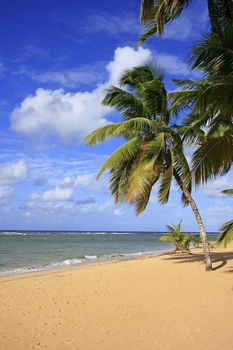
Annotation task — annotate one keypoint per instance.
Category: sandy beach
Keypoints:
(159, 302)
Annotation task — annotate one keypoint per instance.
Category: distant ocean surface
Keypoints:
(28, 251)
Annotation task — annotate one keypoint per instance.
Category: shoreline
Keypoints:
(153, 302)
(88, 262)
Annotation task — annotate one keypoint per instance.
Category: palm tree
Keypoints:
(213, 94)
(210, 101)
(154, 14)
(180, 240)
(226, 230)
(153, 152)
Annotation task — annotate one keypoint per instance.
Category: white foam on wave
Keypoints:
(91, 257)
(13, 233)
(21, 270)
(108, 233)
(67, 262)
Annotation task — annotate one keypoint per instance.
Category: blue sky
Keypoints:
(56, 60)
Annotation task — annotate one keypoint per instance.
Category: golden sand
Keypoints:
(153, 303)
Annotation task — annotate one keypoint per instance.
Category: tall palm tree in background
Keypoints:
(209, 124)
(153, 152)
(155, 14)
(213, 94)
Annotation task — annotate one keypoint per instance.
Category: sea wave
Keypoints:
(66, 262)
(13, 233)
(108, 233)
(21, 270)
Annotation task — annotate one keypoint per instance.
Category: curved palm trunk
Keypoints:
(208, 263)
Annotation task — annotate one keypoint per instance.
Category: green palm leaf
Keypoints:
(101, 134)
(122, 154)
(124, 102)
(225, 234)
(230, 191)
(166, 177)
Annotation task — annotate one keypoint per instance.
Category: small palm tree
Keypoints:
(153, 152)
(180, 240)
(226, 230)
(155, 14)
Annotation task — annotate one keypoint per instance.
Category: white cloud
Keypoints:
(72, 115)
(119, 212)
(87, 181)
(11, 173)
(55, 112)
(214, 188)
(126, 58)
(172, 64)
(55, 195)
(5, 194)
(219, 209)
(114, 25)
(66, 78)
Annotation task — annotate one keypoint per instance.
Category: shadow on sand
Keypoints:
(219, 259)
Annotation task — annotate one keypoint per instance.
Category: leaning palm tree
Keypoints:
(153, 152)
(155, 14)
(226, 230)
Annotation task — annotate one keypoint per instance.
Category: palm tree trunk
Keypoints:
(205, 245)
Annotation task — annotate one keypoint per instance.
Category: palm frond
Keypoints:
(136, 76)
(166, 177)
(101, 134)
(142, 180)
(122, 154)
(225, 234)
(124, 102)
(134, 126)
(229, 191)
(213, 157)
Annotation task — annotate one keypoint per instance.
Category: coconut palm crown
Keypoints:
(153, 151)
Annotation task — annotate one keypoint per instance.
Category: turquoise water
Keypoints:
(24, 251)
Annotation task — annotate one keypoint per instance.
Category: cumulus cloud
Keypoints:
(126, 58)
(11, 173)
(73, 115)
(55, 195)
(64, 114)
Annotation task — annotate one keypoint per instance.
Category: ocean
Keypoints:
(28, 251)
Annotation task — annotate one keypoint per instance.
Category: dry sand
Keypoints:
(166, 302)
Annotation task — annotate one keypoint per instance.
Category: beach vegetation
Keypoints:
(180, 240)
